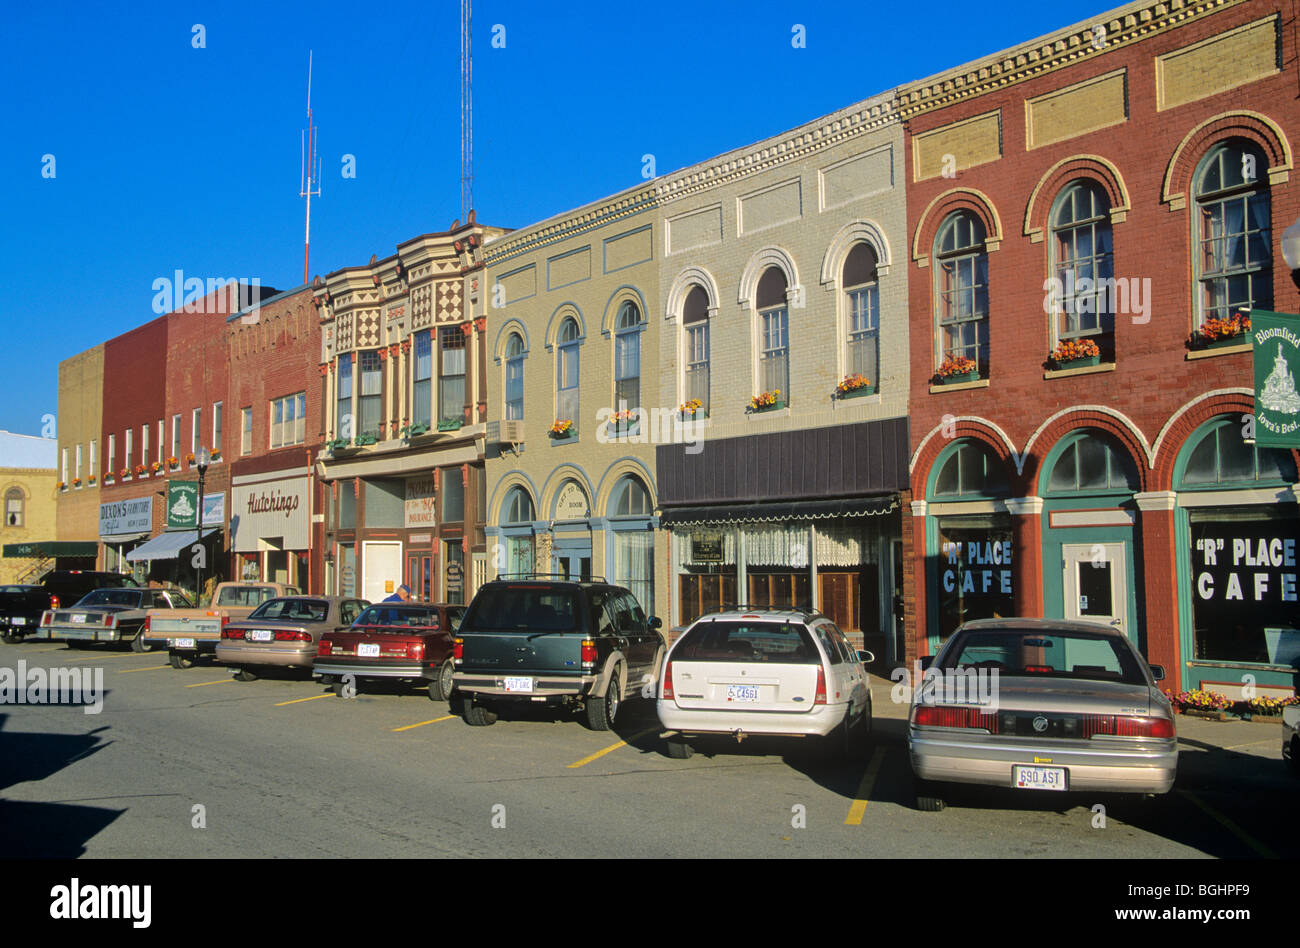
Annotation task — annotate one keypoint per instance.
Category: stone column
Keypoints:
(1027, 554)
(1157, 607)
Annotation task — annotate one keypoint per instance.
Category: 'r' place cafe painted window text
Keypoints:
(1253, 568)
(975, 567)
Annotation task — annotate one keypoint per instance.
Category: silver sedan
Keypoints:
(1040, 704)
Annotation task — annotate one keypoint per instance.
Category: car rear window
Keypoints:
(301, 610)
(381, 615)
(512, 608)
(245, 595)
(112, 597)
(727, 641)
(1050, 653)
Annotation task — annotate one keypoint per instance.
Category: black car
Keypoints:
(20, 612)
(542, 641)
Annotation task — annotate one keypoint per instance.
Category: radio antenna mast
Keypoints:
(310, 175)
(466, 108)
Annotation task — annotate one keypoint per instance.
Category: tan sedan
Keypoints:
(1040, 704)
(284, 632)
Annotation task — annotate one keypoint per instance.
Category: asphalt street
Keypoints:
(192, 763)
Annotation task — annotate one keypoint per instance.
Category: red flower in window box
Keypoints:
(957, 365)
(1071, 350)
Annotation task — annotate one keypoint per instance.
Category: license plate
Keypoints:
(18, 620)
(1038, 778)
(260, 635)
(78, 618)
(185, 643)
(742, 692)
(519, 684)
(368, 650)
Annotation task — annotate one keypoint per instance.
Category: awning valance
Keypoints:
(766, 513)
(50, 548)
(165, 546)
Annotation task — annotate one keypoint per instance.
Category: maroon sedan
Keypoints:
(404, 640)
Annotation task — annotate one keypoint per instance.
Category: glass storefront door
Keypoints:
(1095, 583)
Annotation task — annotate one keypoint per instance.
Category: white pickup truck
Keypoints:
(188, 633)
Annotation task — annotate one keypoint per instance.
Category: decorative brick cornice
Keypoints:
(564, 226)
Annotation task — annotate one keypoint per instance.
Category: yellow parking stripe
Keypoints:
(223, 681)
(100, 658)
(1230, 826)
(446, 717)
(149, 669)
(612, 747)
(312, 698)
(859, 807)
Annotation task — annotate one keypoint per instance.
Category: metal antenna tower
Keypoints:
(466, 108)
(310, 174)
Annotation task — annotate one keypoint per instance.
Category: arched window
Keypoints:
(1091, 464)
(862, 292)
(1218, 457)
(514, 376)
(970, 469)
(695, 325)
(1082, 265)
(14, 507)
(774, 334)
(516, 526)
(633, 542)
(1234, 258)
(630, 498)
(962, 294)
(566, 375)
(627, 358)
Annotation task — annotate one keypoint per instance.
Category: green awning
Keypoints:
(50, 548)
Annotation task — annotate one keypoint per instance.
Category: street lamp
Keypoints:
(201, 460)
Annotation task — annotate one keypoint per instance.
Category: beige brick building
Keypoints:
(81, 396)
(27, 490)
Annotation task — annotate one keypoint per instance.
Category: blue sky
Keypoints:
(169, 157)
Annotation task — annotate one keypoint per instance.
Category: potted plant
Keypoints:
(125, 473)
(61, 486)
(139, 470)
(76, 482)
(562, 429)
(414, 431)
(216, 456)
(450, 424)
(958, 369)
(1204, 704)
(156, 466)
(1216, 333)
(854, 385)
(622, 422)
(766, 401)
(692, 409)
(337, 443)
(366, 439)
(108, 477)
(1075, 353)
(189, 459)
(90, 481)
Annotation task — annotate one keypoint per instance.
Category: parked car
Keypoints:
(283, 632)
(554, 642)
(1075, 707)
(772, 673)
(1291, 736)
(401, 640)
(20, 612)
(188, 634)
(107, 615)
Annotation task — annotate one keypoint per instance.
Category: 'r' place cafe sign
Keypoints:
(986, 567)
(1246, 568)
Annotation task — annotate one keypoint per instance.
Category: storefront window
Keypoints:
(452, 489)
(975, 570)
(706, 569)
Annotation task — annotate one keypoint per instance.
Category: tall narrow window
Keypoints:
(246, 431)
(451, 375)
(112, 454)
(345, 424)
(1083, 265)
(130, 442)
(196, 430)
(961, 269)
(144, 445)
(514, 376)
(63, 474)
(14, 512)
(77, 469)
(774, 334)
(94, 457)
(627, 358)
(566, 381)
(176, 437)
(862, 292)
(1234, 263)
(216, 426)
(370, 396)
(695, 323)
(422, 373)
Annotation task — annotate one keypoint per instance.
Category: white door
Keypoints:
(381, 569)
(1096, 583)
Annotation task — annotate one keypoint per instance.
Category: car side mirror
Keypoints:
(926, 661)
(1158, 672)
(865, 657)
(656, 622)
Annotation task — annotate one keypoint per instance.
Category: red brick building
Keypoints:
(274, 433)
(1086, 212)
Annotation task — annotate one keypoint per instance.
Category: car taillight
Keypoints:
(286, 636)
(458, 651)
(54, 602)
(415, 651)
(232, 633)
(325, 647)
(224, 620)
(820, 697)
(934, 716)
(668, 680)
(108, 620)
(588, 653)
(47, 618)
(146, 625)
(1105, 724)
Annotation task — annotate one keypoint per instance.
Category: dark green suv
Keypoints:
(556, 642)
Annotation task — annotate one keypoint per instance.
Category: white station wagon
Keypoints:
(747, 672)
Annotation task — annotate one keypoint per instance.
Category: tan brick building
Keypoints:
(27, 491)
(81, 407)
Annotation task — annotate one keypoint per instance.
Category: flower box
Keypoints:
(337, 443)
(859, 391)
(452, 424)
(972, 376)
(363, 440)
(563, 435)
(778, 404)
(1225, 342)
(1078, 363)
(698, 414)
(414, 431)
(1208, 714)
(562, 429)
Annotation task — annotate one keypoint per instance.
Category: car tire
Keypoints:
(441, 687)
(177, 660)
(137, 643)
(841, 742)
(602, 711)
(12, 638)
(328, 680)
(928, 799)
(680, 750)
(476, 715)
(244, 674)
